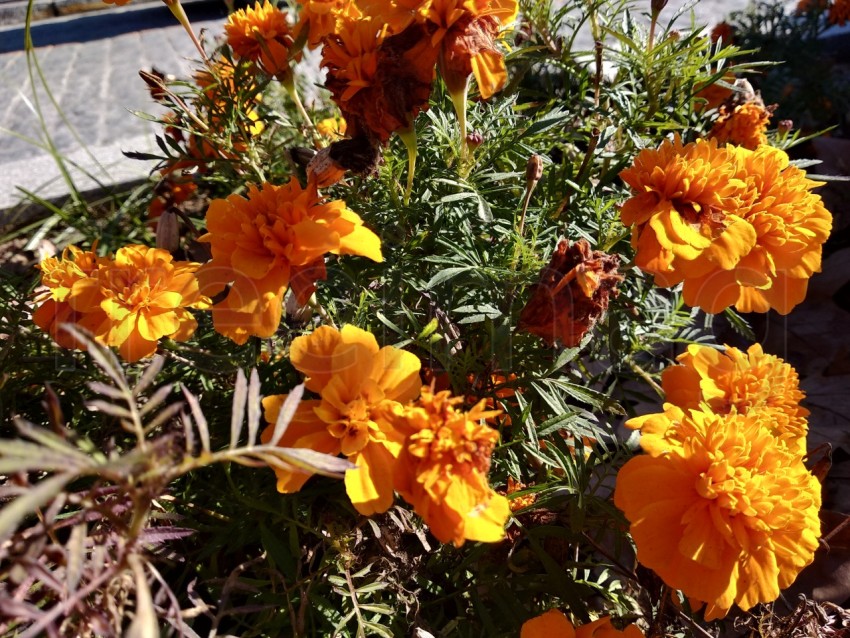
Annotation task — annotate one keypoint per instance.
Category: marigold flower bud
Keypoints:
(658, 5)
(785, 126)
(534, 169)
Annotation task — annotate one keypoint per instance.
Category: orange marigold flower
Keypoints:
(839, 12)
(261, 34)
(572, 294)
(736, 381)
(332, 127)
(170, 192)
(275, 239)
(744, 125)
(554, 624)
(442, 469)
(684, 211)
(54, 304)
(518, 502)
(321, 18)
(129, 302)
(722, 31)
(790, 224)
(359, 385)
(725, 513)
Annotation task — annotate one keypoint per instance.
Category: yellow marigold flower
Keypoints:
(129, 302)
(554, 624)
(261, 34)
(359, 385)
(744, 125)
(684, 211)
(443, 465)
(332, 127)
(726, 514)
(736, 381)
(275, 239)
(839, 12)
(790, 224)
(321, 18)
(54, 304)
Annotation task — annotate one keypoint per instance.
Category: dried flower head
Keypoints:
(723, 31)
(360, 386)
(379, 81)
(443, 465)
(275, 239)
(839, 12)
(571, 295)
(725, 513)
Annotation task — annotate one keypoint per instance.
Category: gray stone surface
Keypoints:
(90, 63)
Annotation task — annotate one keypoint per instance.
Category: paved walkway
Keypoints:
(91, 63)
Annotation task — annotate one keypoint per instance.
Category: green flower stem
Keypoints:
(409, 139)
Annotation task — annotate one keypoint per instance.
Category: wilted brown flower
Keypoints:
(571, 295)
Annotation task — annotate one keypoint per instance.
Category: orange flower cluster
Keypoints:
(443, 466)
(317, 19)
(275, 239)
(739, 505)
(735, 381)
(744, 125)
(735, 226)
(723, 510)
(261, 34)
(435, 456)
(359, 385)
(129, 302)
(554, 624)
(572, 294)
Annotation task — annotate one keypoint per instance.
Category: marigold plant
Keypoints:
(724, 513)
(261, 34)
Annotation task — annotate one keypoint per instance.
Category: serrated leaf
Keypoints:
(153, 369)
(377, 608)
(109, 408)
(199, 419)
(380, 630)
(107, 390)
(368, 588)
(166, 414)
(155, 400)
(446, 274)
